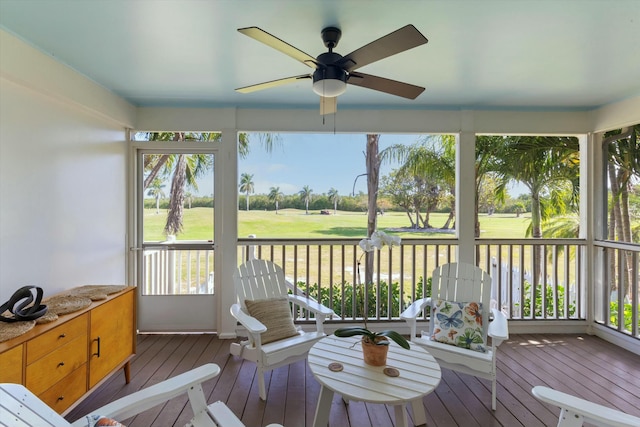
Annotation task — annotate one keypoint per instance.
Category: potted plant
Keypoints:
(375, 345)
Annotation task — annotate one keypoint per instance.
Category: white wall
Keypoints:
(62, 195)
(62, 175)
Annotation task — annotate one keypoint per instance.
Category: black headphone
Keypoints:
(17, 307)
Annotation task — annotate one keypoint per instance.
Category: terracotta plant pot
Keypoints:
(374, 355)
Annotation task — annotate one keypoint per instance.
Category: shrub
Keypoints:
(333, 298)
(549, 309)
(627, 313)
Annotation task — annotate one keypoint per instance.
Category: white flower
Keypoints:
(394, 241)
(377, 240)
(366, 245)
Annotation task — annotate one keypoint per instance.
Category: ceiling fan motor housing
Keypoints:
(328, 70)
(331, 37)
(329, 80)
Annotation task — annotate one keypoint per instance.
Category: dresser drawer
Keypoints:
(56, 337)
(11, 363)
(51, 368)
(67, 391)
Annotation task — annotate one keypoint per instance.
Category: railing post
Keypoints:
(251, 249)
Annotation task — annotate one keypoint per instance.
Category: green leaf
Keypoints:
(352, 331)
(399, 339)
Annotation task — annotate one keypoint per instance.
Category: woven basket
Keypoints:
(96, 292)
(12, 330)
(64, 304)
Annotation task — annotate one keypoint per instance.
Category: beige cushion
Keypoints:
(275, 314)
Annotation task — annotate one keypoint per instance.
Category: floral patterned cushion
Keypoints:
(458, 323)
(102, 421)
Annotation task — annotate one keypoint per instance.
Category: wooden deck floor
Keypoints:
(580, 364)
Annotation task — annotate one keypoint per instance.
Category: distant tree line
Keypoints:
(318, 202)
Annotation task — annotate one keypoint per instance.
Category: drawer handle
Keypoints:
(62, 336)
(60, 364)
(60, 398)
(98, 352)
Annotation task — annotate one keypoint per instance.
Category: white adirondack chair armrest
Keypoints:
(416, 307)
(590, 411)
(253, 325)
(498, 327)
(154, 395)
(311, 305)
(411, 313)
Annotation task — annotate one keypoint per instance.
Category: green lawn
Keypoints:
(294, 223)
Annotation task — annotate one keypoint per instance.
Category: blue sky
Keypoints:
(321, 161)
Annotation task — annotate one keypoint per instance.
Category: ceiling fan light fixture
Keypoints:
(329, 81)
(329, 88)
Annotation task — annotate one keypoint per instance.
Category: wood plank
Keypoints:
(582, 365)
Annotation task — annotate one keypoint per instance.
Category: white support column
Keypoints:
(226, 231)
(593, 217)
(465, 188)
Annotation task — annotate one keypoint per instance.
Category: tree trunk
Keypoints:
(625, 222)
(408, 212)
(156, 169)
(536, 233)
(373, 172)
(449, 221)
(614, 221)
(176, 200)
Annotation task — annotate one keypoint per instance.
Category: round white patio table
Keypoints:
(419, 375)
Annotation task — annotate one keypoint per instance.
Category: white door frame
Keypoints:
(166, 313)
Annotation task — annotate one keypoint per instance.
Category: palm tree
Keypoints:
(334, 197)
(623, 150)
(184, 168)
(431, 165)
(196, 165)
(188, 167)
(545, 165)
(155, 190)
(305, 195)
(275, 195)
(246, 185)
(267, 140)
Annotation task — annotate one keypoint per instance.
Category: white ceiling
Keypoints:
(482, 54)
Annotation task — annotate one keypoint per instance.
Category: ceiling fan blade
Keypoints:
(328, 105)
(381, 84)
(274, 42)
(272, 83)
(400, 40)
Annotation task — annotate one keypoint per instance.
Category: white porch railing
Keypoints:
(170, 271)
(325, 270)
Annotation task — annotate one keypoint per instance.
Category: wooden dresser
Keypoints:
(62, 361)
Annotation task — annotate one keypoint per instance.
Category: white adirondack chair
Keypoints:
(574, 411)
(462, 282)
(259, 279)
(21, 408)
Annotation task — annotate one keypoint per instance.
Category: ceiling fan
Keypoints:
(333, 71)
